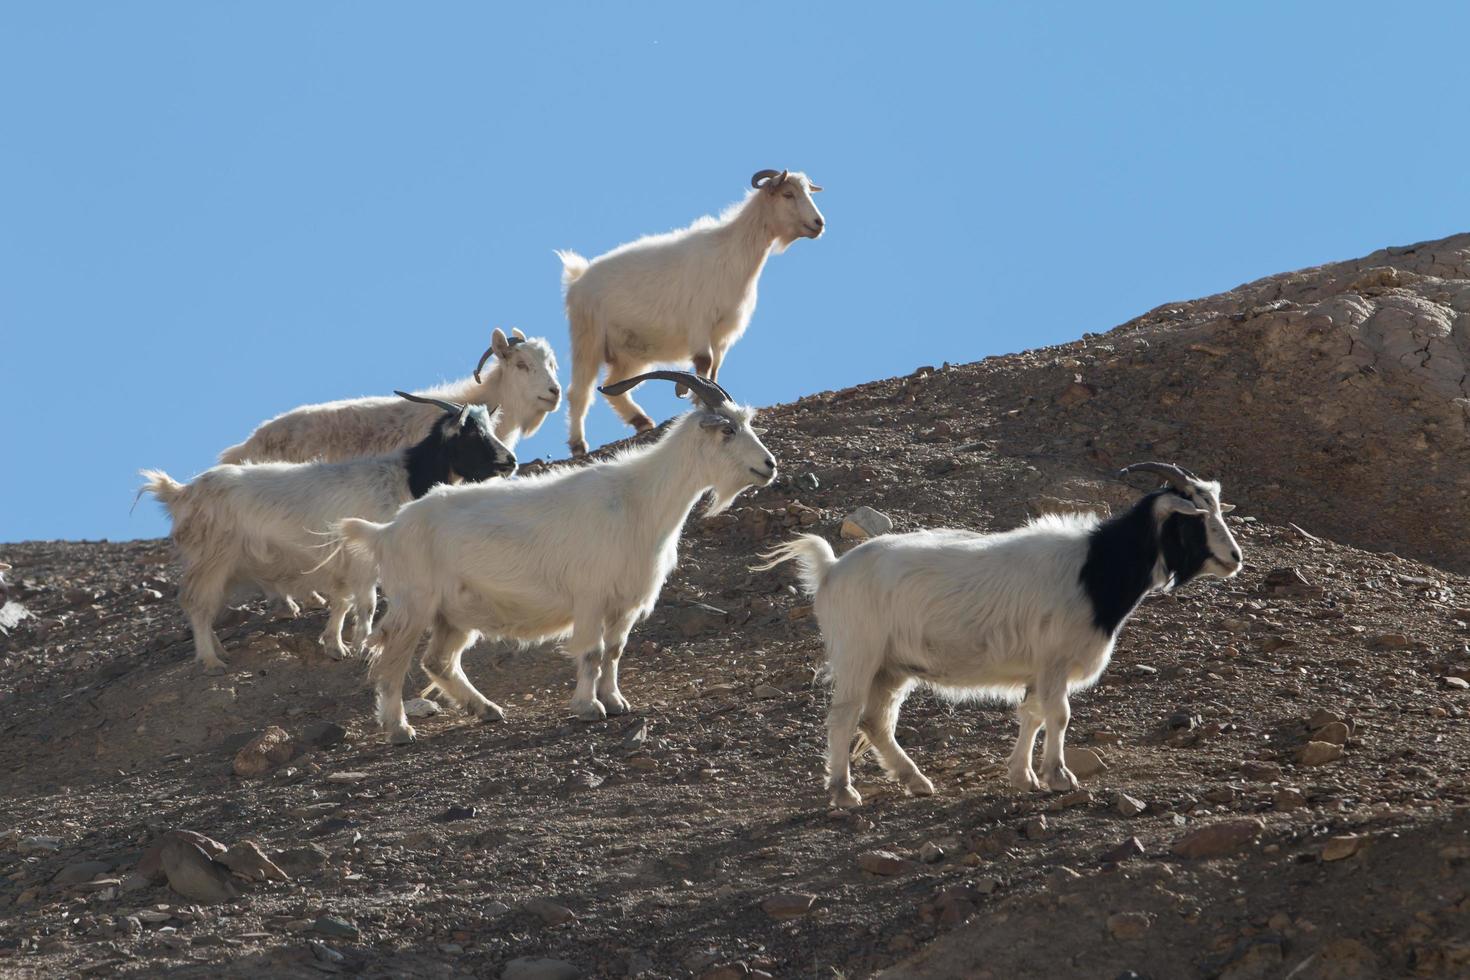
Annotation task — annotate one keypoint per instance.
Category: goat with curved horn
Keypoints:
(707, 391)
(426, 400)
(760, 177)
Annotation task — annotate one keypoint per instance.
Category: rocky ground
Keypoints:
(1277, 782)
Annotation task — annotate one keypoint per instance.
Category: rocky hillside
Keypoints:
(1275, 766)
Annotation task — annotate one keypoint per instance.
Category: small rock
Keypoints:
(421, 708)
(1036, 828)
(457, 812)
(884, 863)
(539, 968)
(38, 845)
(246, 859)
(296, 861)
(1265, 772)
(346, 777)
(931, 853)
(1334, 732)
(325, 953)
(1454, 684)
(1318, 754)
(1218, 840)
(1084, 763)
(324, 734)
(1289, 798)
(1338, 848)
(1128, 925)
(265, 752)
(82, 871)
(1128, 849)
(193, 875)
(788, 905)
(636, 735)
(548, 911)
(865, 522)
(1389, 641)
(765, 692)
(334, 925)
(698, 618)
(150, 865)
(1128, 806)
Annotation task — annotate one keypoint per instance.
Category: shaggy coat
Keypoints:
(1024, 616)
(263, 524)
(522, 382)
(681, 297)
(575, 553)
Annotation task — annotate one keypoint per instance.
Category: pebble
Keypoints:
(788, 905)
(346, 777)
(334, 925)
(82, 871)
(884, 863)
(324, 734)
(1334, 732)
(931, 853)
(264, 752)
(301, 860)
(457, 812)
(1264, 772)
(38, 845)
(421, 708)
(1130, 848)
(865, 522)
(1128, 925)
(1338, 848)
(1288, 798)
(1036, 828)
(549, 912)
(245, 858)
(194, 875)
(1218, 840)
(539, 968)
(765, 692)
(636, 735)
(325, 953)
(1128, 806)
(1318, 753)
(1389, 641)
(1454, 683)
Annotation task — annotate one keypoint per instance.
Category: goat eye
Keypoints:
(789, 196)
(523, 367)
(729, 430)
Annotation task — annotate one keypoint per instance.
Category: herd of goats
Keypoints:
(414, 493)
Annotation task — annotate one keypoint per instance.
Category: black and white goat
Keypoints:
(1025, 616)
(262, 524)
(578, 553)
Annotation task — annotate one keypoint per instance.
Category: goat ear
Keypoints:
(516, 332)
(1226, 508)
(499, 344)
(712, 421)
(759, 431)
(464, 415)
(1175, 504)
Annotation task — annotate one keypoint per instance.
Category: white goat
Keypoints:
(1025, 616)
(577, 552)
(262, 524)
(684, 296)
(522, 382)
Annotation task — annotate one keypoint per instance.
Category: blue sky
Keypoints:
(210, 213)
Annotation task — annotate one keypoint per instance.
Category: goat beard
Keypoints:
(721, 497)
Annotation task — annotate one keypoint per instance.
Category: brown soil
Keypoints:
(665, 850)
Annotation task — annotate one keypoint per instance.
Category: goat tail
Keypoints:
(161, 485)
(361, 538)
(813, 555)
(572, 266)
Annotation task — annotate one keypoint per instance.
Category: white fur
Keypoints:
(576, 552)
(522, 381)
(1001, 616)
(264, 524)
(679, 297)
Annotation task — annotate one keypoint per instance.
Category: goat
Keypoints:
(261, 524)
(683, 296)
(578, 553)
(1025, 616)
(522, 382)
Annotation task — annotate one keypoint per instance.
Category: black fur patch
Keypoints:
(1121, 554)
(469, 452)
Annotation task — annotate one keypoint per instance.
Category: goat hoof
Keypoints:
(589, 710)
(1025, 781)
(578, 447)
(615, 704)
(489, 711)
(1061, 781)
(845, 797)
(641, 423)
(919, 785)
(403, 736)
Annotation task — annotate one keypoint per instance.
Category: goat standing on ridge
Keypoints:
(522, 382)
(681, 297)
(577, 552)
(261, 524)
(1026, 616)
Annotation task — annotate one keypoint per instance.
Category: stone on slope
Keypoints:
(193, 875)
(865, 522)
(264, 752)
(1218, 840)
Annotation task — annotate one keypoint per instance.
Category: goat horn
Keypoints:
(814, 188)
(511, 341)
(1177, 477)
(706, 390)
(447, 406)
(763, 175)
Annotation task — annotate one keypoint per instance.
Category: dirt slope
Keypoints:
(660, 844)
